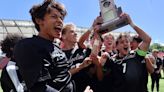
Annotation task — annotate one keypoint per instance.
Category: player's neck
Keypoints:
(68, 46)
(108, 49)
(121, 55)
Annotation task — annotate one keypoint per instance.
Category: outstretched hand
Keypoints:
(127, 16)
(95, 59)
(87, 61)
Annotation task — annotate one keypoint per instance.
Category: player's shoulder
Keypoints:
(24, 42)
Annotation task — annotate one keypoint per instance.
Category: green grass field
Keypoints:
(161, 83)
(161, 89)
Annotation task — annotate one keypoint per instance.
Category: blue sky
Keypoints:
(147, 14)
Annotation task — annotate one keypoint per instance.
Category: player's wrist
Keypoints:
(80, 66)
(132, 25)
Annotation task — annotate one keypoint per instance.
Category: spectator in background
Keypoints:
(156, 75)
(163, 67)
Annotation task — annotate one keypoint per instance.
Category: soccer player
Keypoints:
(79, 56)
(147, 63)
(42, 64)
(10, 77)
(125, 67)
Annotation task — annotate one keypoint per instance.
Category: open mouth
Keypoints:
(126, 49)
(109, 43)
(58, 28)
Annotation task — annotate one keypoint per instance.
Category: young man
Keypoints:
(78, 56)
(156, 75)
(43, 65)
(147, 63)
(73, 51)
(126, 68)
(109, 47)
(9, 73)
(109, 42)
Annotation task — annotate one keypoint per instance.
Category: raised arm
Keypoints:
(98, 66)
(94, 28)
(83, 38)
(144, 36)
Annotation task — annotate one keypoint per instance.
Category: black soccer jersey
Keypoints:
(41, 62)
(76, 56)
(106, 83)
(158, 63)
(144, 76)
(126, 73)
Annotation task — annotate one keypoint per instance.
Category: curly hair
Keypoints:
(8, 44)
(40, 10)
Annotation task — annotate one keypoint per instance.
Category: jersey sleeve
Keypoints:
(141, 52)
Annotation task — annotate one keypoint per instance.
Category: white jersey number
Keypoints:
(124, 67)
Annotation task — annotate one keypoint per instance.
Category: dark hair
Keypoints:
(8, 44)
(137, 39)
(39, 11)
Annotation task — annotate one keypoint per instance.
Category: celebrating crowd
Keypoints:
(39, 64)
